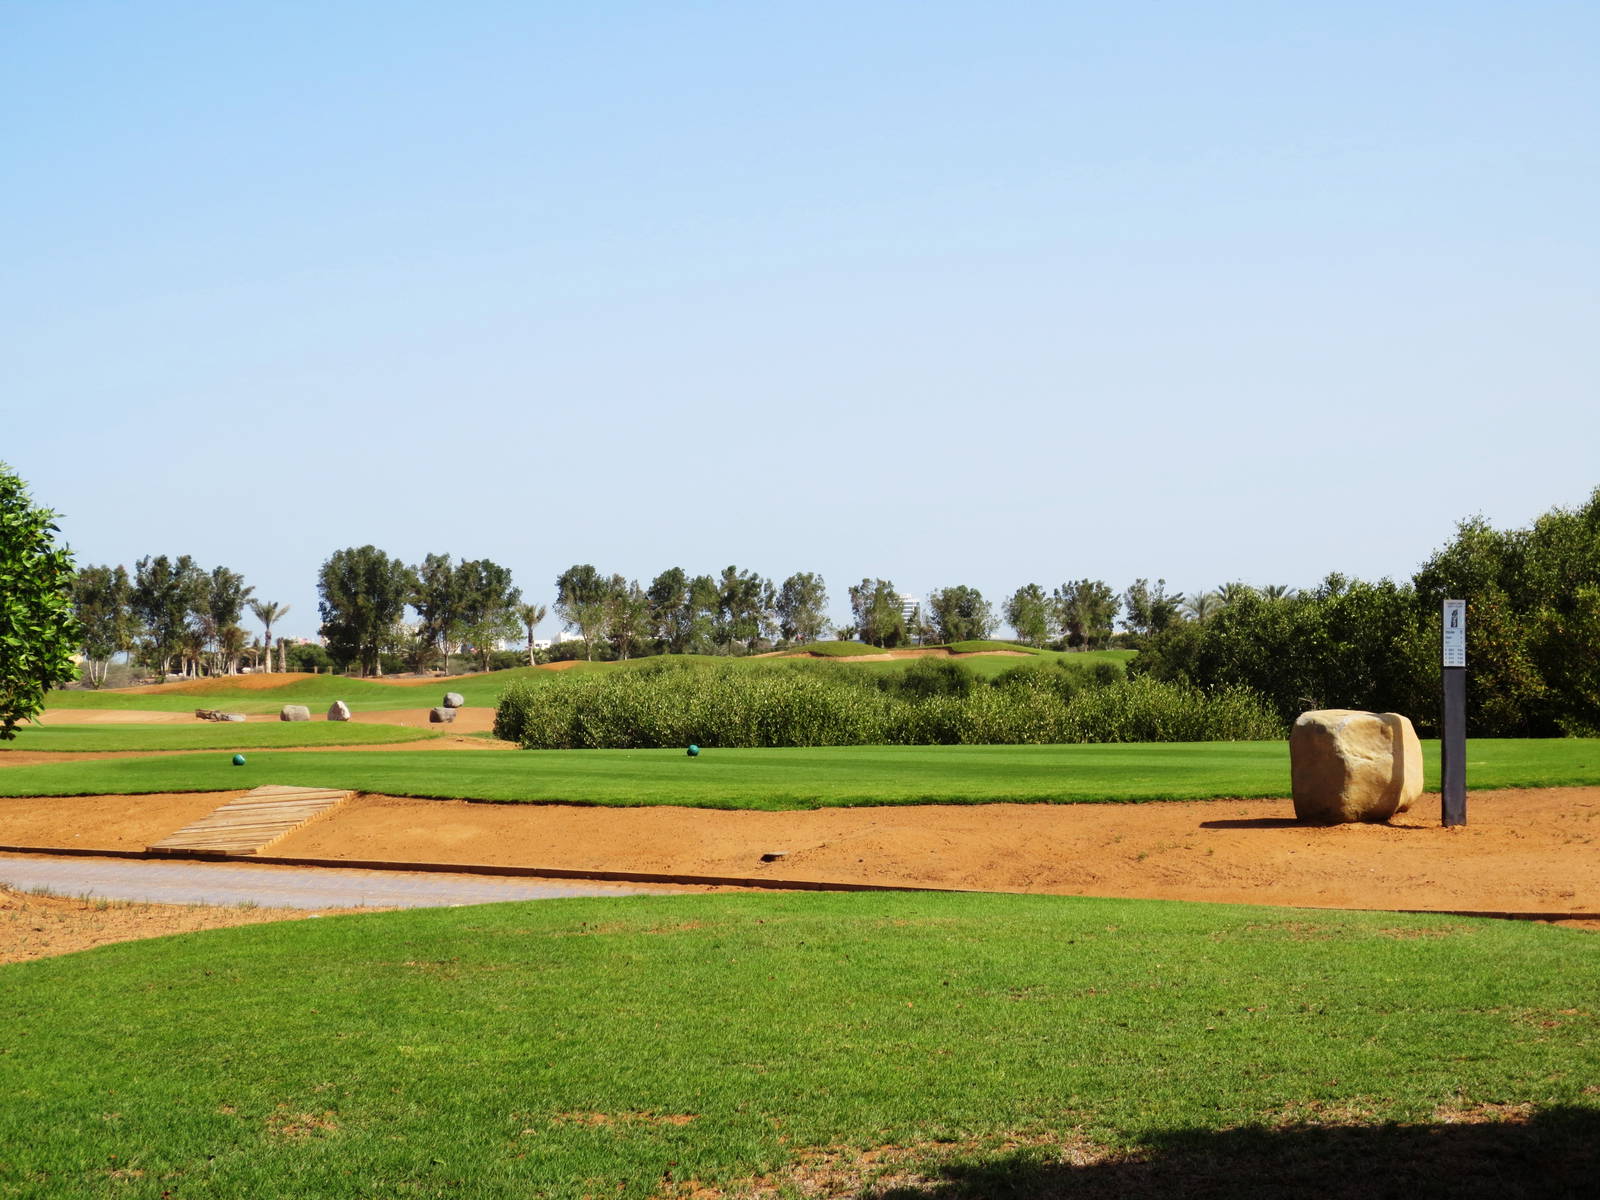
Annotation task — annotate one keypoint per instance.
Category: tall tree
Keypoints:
(801, 607)
(436, 602)
(1028, 612)
(627, 616)
(581, 603)
(671, 615)
(1086, 610)
(744, 608)
(165, 594)
(226, 594)
(960, 614)
(1203, 605)
(704, 608)
(880, 621)
(269, 613)
(101, 599)
(1149, 609)
(364, 593)
(38, 632)
(487, 603)
(530, 615)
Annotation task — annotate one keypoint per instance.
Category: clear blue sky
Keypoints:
(943, 293)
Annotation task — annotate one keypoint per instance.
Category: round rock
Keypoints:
(453, 700)
(441, 715)
(294, 712)
(338, 711)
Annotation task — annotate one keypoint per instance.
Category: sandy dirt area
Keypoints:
(40, 926)
(1523, 851)
(118, 716)
(102, 822)
(1530, 851)
(468, 720)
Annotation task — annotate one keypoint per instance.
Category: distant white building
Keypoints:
(567, 635)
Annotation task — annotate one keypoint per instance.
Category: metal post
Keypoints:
(1453, 743)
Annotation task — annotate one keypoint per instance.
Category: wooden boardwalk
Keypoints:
(251, 823)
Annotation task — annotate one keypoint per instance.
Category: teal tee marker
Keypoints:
(693, 751)
(238, 760)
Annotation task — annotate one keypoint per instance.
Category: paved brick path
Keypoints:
(281, 887)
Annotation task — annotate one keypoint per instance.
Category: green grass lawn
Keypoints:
(317, 693)
(794, 778)
(207, 736)
(636, 1047)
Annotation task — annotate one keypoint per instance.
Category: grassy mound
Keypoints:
(991, 647)
(654, 1046)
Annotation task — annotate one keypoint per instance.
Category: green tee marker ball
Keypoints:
(693, 750)
(238, 760)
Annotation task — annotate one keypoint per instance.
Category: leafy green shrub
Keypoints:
(935, 677)
(676, 703)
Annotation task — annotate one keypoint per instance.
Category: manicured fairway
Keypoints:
(220, 736)
(637, 1047)
(793, 778)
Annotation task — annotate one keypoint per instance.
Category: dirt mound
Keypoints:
(219, 683)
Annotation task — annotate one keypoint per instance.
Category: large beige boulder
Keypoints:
(1353, 766)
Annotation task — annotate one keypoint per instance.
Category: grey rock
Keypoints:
(441, 715)
(294, 712)
(338, 711)
(453, 700)
(230, 716)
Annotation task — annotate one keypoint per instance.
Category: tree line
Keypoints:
(1533, 634)
(173, 615)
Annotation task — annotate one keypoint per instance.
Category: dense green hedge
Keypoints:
(786, 706)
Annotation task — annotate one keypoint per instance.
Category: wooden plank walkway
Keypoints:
(251, 823)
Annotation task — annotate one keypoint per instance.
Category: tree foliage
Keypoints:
(1086, 611)
(801, 606)
(101, 600)
(485, 606)
(38, 632)
(1028, 612)
(581, 603)
(1149, 609)
(363, 593)
(961, 614)
(876, 607)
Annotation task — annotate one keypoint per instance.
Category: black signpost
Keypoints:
(1453, 745)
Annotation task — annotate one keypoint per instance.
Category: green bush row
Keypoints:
(729, 707)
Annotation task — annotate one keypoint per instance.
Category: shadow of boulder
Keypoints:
(1554, 1154)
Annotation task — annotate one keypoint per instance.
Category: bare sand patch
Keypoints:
(468, 720)
(40, 926)
(1524, 851)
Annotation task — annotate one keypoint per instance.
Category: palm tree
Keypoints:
(1202, 605)
(1278, 591)
(530, 615)
(1230, 592)
(268, 612)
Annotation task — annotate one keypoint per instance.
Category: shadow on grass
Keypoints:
(1554, 1154)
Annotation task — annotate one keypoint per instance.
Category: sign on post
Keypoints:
(1453, 743)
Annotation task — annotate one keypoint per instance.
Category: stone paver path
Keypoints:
(282, 887)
